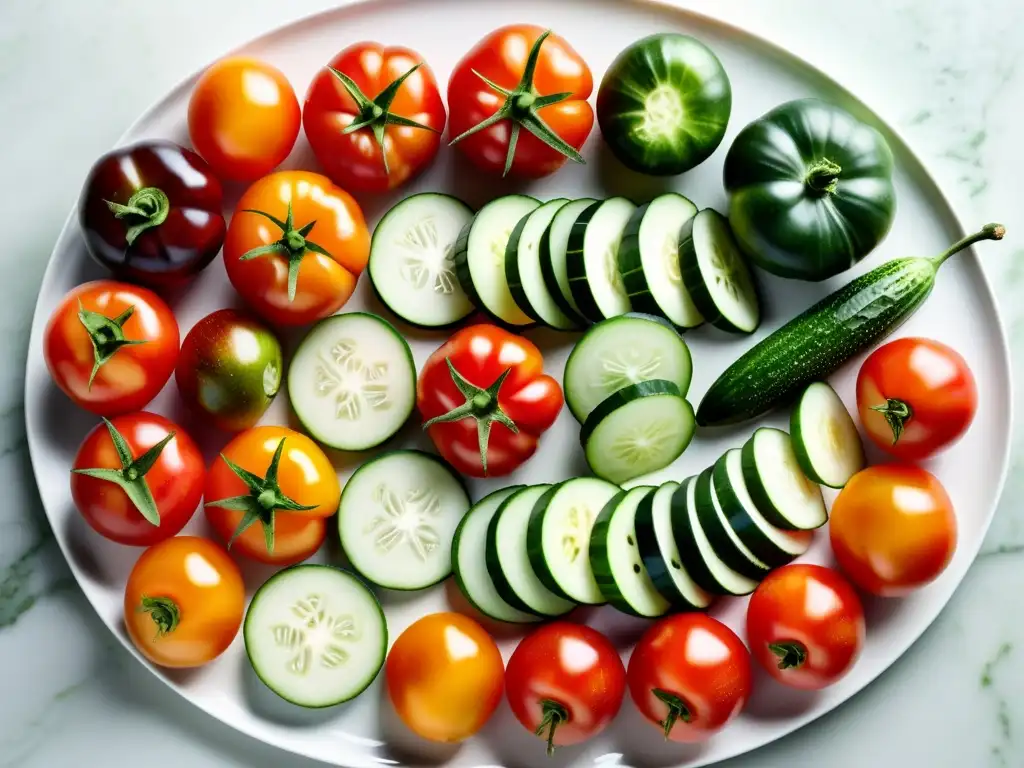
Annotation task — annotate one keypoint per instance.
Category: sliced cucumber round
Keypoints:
(352, 381)
(397, 518)
(825, 437)
(315, 635)
(558, 537)
(553, 268)
(616, 353)
(716, 274)
(723, 539)
(779, 488)
(411, 266)
(668, 568)
(469, 561)
(649, 260)
(592, 259)
(639, 429)
(773, 546)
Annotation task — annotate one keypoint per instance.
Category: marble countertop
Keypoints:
(74, 74)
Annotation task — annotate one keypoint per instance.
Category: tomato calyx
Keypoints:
(521, 106)
(263, 500)
(131, 477)
(553, 715)
(791, 653)
(481, 404)
(823, 176)
(678, 710)
(163, 611)
(897, 413)
(375, 113)
(106, 335)
(146, 208)
(293, 245)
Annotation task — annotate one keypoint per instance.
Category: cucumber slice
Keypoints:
(703, 563)
(616, 353)
(480, 257)
(315, 635)
(716, 274)
(772, 546)
(723, 539)
(649, 260)
(592, 259)
(639, 429)
(523, 271)
(397, 517)
(825, 438)
(558, 537)
(509, 564)
(668, 568)
(553, 268)
(411, 264)
(469, 561)
(779, 488)
(352, 381)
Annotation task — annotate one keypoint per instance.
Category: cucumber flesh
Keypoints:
(825, 438)
(553, 267)
(778, 486)
(592, 259)
(724, 540)
(523, 269)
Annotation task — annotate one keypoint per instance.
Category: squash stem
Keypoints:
(988, 232)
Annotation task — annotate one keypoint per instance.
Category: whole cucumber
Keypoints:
(816, 342)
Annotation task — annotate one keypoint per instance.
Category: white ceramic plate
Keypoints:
(961, 312)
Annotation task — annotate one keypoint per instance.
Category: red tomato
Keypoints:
(111, 346)
(486, 400)
(565, 683)
(391, 93)
(295, 247)
(243, 118)
(690, 675)
(915, 397)
(137, 479)
(281, 480)
(805, 626)
(536, 118)
(893, 529)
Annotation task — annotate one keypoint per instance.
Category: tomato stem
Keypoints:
(897, 413)
(791, 653)
(163, 611)
(554, 714)
(146, 208)
(988, 232)
(678, 709)
(106, 335)
(823, 176)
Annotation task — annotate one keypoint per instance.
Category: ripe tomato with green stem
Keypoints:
(486, 400)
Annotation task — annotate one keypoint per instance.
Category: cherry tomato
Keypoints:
(565, 683)
(805, 626)
(915, 397)
(690, 675)
(243, 118)
(137, 479)
(893, 529)
(524, 128)
(268, 494)
(392, 94)
(184, 602)
(295, 247)
(111, 346)
(503, 374)
(445, 677)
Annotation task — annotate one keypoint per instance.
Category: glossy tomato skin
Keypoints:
(325, 283)
(354, 161)
(501, 57)
(545, 667)
(168, 182)
(445, 677)
(135, 373)
(697, 659)
(813, 611)
(305, 475)
(935, 383)
(893, 529)
(175, 480)
(202, 583)
(243, 118)
(529, 397)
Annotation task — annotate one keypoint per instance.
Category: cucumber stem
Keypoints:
(988, 232)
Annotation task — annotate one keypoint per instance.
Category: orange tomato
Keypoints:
(893, 529)
(445, 677)
(243, 118)
(184, 602)
(308, 260)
